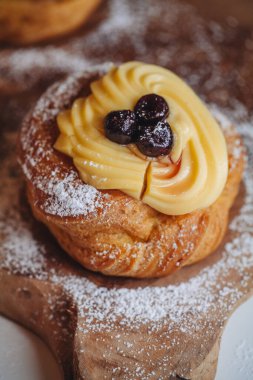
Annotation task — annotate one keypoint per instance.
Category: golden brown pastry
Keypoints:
(28, 21)
(120, 230)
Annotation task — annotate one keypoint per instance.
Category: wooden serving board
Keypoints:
(108, 328)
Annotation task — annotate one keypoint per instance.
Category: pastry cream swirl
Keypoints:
(192, 177)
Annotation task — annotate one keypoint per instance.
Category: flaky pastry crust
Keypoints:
(28, 21)
(116, 235)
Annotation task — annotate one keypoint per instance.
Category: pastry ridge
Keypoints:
(114, 234)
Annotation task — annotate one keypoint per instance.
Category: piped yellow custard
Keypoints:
(190, 177)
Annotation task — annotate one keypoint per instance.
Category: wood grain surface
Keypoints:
(107, 328)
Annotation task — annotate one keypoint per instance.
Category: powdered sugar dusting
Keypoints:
(198, 295)
(31, 258)
(201, 302)
(144, 304)
(170, 311)
(25, 67)
(66, 198)
(65, 194)
(25, 61)
(176, 302)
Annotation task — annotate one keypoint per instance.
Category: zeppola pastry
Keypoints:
(28, 21)
(129, 170)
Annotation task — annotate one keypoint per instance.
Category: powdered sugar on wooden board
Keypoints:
(23, 254)
(162, 307)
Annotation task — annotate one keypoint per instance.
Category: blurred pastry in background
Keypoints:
(30, 21)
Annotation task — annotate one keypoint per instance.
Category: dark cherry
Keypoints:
(120, 127)
(150, 109)
(155, 140)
